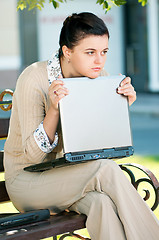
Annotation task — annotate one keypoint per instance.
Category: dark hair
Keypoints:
(79, 26)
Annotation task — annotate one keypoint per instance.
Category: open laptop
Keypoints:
(95, 122)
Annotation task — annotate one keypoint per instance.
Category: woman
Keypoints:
(98, 189)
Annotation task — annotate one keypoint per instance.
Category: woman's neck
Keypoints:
(65, 68)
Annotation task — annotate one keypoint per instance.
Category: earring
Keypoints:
(68, 60)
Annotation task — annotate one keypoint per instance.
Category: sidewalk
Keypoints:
(146, 103)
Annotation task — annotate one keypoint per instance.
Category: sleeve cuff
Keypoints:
(42, 139)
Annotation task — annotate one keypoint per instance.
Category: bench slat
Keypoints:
(65, 222)
(3, 193)
(4, 125)
(1, 161)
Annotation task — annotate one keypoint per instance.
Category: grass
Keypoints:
(151, 162)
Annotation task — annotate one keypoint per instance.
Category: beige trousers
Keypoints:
(98, 189)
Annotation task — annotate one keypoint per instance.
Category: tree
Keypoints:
(39, 4)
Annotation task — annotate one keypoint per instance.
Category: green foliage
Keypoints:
(143, 2)
(39, 4)
(108, 4)
(56, 3)
(119, 2)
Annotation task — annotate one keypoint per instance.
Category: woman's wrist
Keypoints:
(54, 110)
(50, 122)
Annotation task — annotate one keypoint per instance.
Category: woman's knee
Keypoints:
(111, 164)
(94, 201)
(101, 200)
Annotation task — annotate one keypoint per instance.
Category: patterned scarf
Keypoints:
(54, 68)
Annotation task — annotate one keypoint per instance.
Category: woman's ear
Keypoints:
(66, 52)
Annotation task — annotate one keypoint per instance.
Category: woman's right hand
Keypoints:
(57, 91)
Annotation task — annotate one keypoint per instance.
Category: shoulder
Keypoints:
(35, 74)
(32, 84)
(37, 68)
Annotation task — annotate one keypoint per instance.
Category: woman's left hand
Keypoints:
(127, 89)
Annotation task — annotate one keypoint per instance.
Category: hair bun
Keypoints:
(71, 17)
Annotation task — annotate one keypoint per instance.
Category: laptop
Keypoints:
(95, 122)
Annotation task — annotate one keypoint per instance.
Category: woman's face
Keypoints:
(88, 57)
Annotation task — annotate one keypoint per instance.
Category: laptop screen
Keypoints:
(93, 115)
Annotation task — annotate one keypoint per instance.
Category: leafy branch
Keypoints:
(39, 4)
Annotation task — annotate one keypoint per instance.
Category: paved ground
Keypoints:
(144, 114)
(145, 131)
(145, 124)
(146, 104)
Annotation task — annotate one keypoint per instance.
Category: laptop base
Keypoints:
(75, 158)
(100, 154)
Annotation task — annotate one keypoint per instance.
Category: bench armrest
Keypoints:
(3, 103)
(149, 178)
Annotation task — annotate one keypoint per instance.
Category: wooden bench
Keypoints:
(64, 223)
